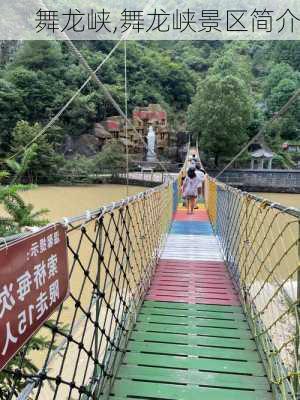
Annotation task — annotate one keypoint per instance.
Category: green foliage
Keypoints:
(276, 74)
(21, 214)
(7, 379)
(287, 52)
(220, 114)
(18, 215)
(78, 169)
(280, 85)
(233, 63)
(45, 75)
(40, 54)
(19, 168)
(12, 110)
(112, 157)
(43, 159)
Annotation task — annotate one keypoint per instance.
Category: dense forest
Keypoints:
(222, 92)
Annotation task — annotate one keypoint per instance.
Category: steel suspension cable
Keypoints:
(101, 85)
(126, 119)
(67, 104)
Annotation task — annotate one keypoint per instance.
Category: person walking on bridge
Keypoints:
(190, 189)
(201, 178)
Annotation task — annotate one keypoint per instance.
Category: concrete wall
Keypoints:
(262, 180)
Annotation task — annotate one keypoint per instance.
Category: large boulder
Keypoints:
(87, 145)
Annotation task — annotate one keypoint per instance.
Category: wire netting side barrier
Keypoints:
(112, 256)
(260, 242)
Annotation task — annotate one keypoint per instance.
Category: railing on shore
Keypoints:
(260, 241)
(112, 254)
(110, 175)
(274, 180)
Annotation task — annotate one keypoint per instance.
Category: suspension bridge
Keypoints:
(174, 306)
(165, 305)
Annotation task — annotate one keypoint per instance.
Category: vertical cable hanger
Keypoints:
(126, 119)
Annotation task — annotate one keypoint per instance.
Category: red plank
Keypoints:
(196, 289)
(206, 282)
(200, 215)
(190, 262)
(232, 302)
(188, 268)
(212, 276)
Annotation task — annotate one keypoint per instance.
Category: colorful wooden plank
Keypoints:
(192, 321)
(230, 310)
(194, 342)
(153, 390)
(197, 216)
(191, 228)
(192, 300)
(150, 307)
(212, 379)
(197, 351)
(181, 247)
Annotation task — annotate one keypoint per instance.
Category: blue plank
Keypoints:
(191, 228)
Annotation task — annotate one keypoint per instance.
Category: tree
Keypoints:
(276, 74)
(19, 168)
(220, 114)
(40, 55)
(111, 157)
(234, 64)
(287, 52)
(281, 83)
(38, 90)
(12, 110)
(43, 165)
(18, 213)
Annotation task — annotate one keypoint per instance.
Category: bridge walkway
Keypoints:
(191, 340)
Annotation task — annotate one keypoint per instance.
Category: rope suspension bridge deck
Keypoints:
(191, 340)
(173, 306)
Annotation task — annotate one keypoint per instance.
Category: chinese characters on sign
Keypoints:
(34, 281)
(160, 20)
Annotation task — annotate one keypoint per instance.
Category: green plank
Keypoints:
(192, 377)
(126, 387)
(195, 330)
(198, 351)
(213, 323)
(193, 313)
(194, 340)
(204, 364)
(185, 306)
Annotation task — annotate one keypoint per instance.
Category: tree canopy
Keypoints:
(220, 114)
(42, 76)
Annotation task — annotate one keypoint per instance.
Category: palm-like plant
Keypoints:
(20, 168)
(19, 214)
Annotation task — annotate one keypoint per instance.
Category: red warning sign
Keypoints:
(34, 281)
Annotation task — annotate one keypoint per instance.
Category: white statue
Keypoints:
(151, 156)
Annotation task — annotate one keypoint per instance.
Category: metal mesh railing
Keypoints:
(112, 255)
(260, 241)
